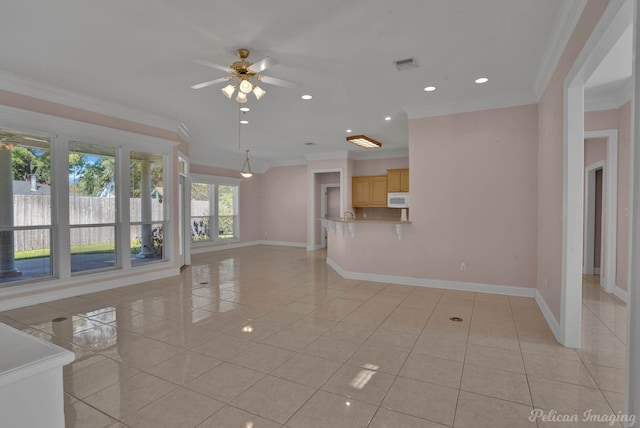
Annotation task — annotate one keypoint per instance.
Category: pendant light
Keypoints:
(246, 166)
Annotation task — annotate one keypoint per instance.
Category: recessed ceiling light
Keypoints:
(482, 80)
(430, 88)
(244, 122)
(348, 130)
(306, 97)
(245, 109)
(387, 118)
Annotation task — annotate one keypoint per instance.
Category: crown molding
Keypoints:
(486, 103)
(566, 21)
(337, 154)
(183, 132)
(385, 154)
(613, 100)
(47, 92)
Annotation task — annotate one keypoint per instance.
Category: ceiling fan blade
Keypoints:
(209, 83)
(212, 65)
(263, 64)
(278, 82)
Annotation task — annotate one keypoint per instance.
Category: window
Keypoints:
(92, 206)
(25, 221)
(146, 207)
(214, 209)
(78, 200)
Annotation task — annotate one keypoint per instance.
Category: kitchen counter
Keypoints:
(337, 224)
(364, 220)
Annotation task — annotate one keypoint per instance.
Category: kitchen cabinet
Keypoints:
(369, 191)
(398, 180)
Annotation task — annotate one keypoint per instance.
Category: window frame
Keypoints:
(62, 131)
(214, 218)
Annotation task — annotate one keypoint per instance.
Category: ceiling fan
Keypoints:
(244, 74)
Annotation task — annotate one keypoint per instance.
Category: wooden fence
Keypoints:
(35, 210)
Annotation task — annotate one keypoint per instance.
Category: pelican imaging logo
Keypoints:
(588, 416)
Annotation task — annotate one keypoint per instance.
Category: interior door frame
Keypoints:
(608, 251)
(184, 211)
(589, 250)
(324, 208)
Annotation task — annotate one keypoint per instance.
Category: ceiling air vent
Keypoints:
(405, 64)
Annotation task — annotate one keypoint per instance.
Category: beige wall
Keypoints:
(473, 186)
(283, 201)
(550, 162)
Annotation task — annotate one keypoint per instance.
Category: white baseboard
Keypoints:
(316, 247)
(506, 290)
(283, 243)
(65, 289)
(621, 294)
(199, 249)
(553, 323)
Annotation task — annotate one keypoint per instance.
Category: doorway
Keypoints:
(329, 207)
(593, 237)
(318, 178)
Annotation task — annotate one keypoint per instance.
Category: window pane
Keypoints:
(147, 191)
(153, 253)
(146, 198)
(25, 201)
(92, 248)
(28, 257)
(200, 230)
(200, 211)
(92, 184)
(92, 201)
(226, 211)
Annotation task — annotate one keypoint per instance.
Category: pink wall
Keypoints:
(473, 185)
(283, 203)
(379, 166)
(595, 150)
(624, 154)
(550, 162)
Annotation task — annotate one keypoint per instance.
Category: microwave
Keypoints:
(398, 200)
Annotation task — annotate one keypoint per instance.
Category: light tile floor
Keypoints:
(272, 337)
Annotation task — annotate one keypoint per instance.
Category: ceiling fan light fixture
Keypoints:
(228, 90)
(364, 141)
(241, 98)
(245, 86)
(246, 166)
(258, 92)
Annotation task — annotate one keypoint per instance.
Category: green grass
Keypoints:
(78, 249)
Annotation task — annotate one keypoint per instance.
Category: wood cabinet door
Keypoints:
(379, 191)
(404, 180)
(361, 188)
(393, 180)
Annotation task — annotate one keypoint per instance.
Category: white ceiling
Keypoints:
(139, 53)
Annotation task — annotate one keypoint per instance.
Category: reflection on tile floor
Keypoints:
(272, 337)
